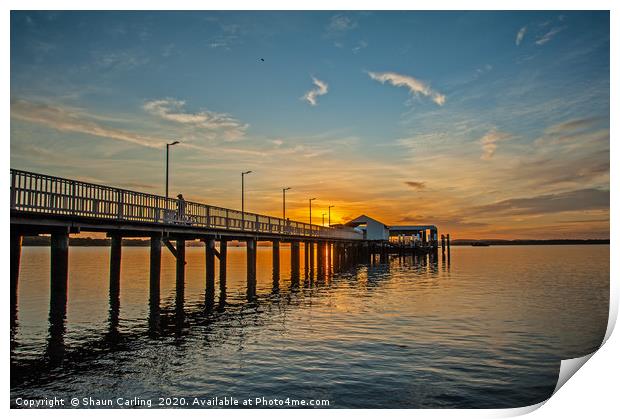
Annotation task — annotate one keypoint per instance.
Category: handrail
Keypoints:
(45, 194)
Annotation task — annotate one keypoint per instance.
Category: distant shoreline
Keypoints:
(521, 242)
(89, 242)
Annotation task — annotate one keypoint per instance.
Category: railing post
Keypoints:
(208, 216)
(120, 204)
(13, 189)
(73, 197)
(256, 224)
(227, 219)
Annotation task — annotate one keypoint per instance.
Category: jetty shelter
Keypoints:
(408, 233)
(371, 228)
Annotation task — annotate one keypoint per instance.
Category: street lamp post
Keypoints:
(329, 215)
(323, 220)
(284, 202)
(310, 204)
(168, 163)
(243, 198)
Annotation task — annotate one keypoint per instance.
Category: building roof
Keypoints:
(413, 228)
(364, 219)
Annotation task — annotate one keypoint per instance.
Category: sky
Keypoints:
(486, 124)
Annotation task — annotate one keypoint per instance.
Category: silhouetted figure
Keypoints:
(181, 208)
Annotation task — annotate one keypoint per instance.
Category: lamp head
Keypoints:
(174, 143)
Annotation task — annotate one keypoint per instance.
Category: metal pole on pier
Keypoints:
(310, 206)
(243, 198)
(284, 202)
(167, 163)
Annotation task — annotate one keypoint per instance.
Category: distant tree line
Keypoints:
(498, 242)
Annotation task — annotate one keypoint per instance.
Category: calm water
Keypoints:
(487, 330)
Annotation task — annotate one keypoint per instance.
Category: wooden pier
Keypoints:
(42, 204)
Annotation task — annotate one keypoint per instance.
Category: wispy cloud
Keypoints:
(489, 143)
(73, 120)
(119, 60)
(549, 35)
(360, 46)
(173, 110)
(575, 133)
(414, 85)
(311, 95)
(576, 200)
(574, 125)
(341, 23)
(416, 184)
(230, 34)
(520, 35)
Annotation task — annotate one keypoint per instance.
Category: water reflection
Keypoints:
(389, 321)
(56, 336)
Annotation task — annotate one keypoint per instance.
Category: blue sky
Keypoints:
(489, 124)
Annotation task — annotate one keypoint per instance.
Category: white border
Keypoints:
(592, 393)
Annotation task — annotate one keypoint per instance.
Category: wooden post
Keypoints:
(329, 256)
(59, 269)
(223, 258)
(180, 283)
(115, 286)
(443, 244)
(251, 268)
(295, 263)
(306, 257)
(448, 248)
(154, 283)
(320, 256)
(311, 256)
(115, 265)
(210, 265)
(336, 249)
(276, 256)
(59, 272)
(16, 252)
(276, 266)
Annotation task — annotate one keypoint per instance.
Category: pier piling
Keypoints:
(115, 265)
(154, 283)
(275, 255)
(223, 259)
(295, 262)
(180, 281)
(311, 256)
(59, 269)
(320, 256)
(16, 252)
(251, 268)
(210, 266)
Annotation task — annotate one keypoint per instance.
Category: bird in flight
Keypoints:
(262, 59)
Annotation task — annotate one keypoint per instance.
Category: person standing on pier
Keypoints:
(180, 208)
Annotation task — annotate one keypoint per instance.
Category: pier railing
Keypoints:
(44, 194)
